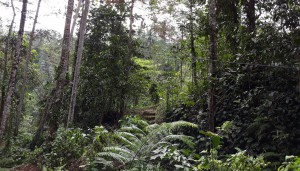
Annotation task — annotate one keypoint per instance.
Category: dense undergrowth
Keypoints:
(136, 145)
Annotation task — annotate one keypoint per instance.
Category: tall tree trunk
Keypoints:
(25, 73)
(78, 62)
(72, 32)
(233, 36)
(193, 51)
(53, 104)
(250, 13)
(14, 69)
(213, 60)
(130, 46)
(75, 18)
(4, 76)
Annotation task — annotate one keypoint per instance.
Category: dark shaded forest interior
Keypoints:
(146, 85)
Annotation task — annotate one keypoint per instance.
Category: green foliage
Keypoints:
(136, 143)
(215, 138)
(109, 74)
(67, 147)
(292, 163)
(234, 162)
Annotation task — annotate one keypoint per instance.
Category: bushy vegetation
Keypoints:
(136, 145)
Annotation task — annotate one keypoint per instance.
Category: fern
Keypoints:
(133, 129)
(106, 163)
(185, 139)
(137, 141)
(120, 150)
(152, 127)
(128, 139)
(176, 126)
(127, 135)
(115, 156)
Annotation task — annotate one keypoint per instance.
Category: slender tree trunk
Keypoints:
(250, 12)
(78, 62)
(193, 51)
(233, 38)
(213, 59)
(130, 47)
(4, 76)
(25, 73)
(14, 69)
(181, 75)
(75, 18)
(54, 105)
(181, 61)
(71, 37)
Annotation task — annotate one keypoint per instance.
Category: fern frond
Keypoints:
(133, 129)
(158, 146)
(124, 140)
(106, 163)
(128, 135)
(152, 127)
(140, 123)
(120, 150)
(184, 138)
(115, 156)
(174, 126)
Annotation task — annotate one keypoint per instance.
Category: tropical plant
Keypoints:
(238, 161)
(137, 144)
(67, 147)
(292, 163)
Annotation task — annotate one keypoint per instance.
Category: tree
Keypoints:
(192, 44)
(250, 13)
(229, 16)
(25, 73)
(4, 77)
(75, 18)
(108, 82)
(54, 103)
(15, 66)
(213, 60)
(82, 30)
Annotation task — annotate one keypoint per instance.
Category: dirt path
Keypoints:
(148, 113)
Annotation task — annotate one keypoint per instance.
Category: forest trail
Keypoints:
(148, 113)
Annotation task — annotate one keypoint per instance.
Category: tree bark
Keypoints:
(4, 76)
(82, 31)
(75, 18)
(193, 51)
(130, 47)
(250, 13)
(14, 69)
(213, 60)
(53, 104)
(25, 73)
(72, 32)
